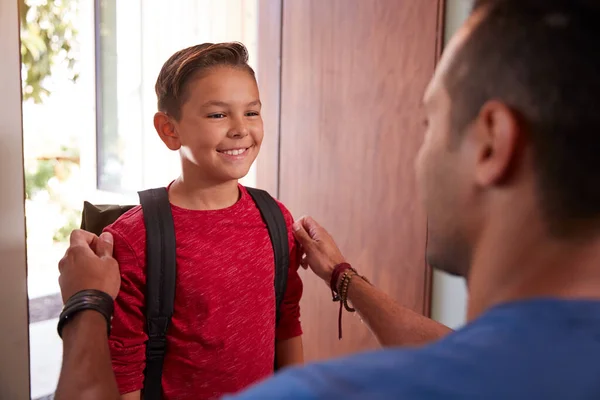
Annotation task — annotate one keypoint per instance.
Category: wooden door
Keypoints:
(353, 73)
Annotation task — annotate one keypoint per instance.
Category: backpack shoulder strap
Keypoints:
(275, 221)
(160, 283)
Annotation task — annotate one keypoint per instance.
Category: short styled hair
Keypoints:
(542, 59)
(191, 63)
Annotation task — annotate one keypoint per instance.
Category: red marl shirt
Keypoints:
(222, 334)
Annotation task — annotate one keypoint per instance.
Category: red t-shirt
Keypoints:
(222, 334)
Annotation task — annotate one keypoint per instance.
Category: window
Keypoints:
(134, 39)
(119, 125)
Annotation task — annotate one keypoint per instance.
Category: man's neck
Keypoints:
(196, 195)
(518, 260)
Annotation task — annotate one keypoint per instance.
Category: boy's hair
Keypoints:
(189, 63)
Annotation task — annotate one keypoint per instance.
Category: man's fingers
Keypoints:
(61, 263)
(79, 237)
(104, 245)
(301, 234)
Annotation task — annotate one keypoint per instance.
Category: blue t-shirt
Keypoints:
(537, 349)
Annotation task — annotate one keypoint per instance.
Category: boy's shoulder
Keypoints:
(289, 219)
(130, 225)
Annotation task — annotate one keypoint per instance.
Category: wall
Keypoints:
(449, 295)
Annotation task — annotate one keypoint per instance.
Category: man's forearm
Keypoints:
(87, 371)
(392, 324)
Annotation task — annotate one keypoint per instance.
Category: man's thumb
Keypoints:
(301, 235)
(104, 248)
(312, 227)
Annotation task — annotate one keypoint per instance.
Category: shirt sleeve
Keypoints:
(289, 324)
(127, 341)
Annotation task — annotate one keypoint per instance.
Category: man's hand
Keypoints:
(321, 252)
(88, 264)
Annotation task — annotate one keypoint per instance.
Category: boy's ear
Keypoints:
(166, 130)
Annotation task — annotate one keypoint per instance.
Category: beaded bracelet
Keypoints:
(341, 293)
(344, 289)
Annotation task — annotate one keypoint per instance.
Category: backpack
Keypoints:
(161, 264)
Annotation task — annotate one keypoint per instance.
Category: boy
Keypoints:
(221, 336)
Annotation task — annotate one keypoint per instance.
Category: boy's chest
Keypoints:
(224, 264)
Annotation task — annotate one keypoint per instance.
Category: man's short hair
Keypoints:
(542, 59)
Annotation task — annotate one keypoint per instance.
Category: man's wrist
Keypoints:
(340, 276)
(337, 282)
(91, 318)
(329, 275)
(337, 274)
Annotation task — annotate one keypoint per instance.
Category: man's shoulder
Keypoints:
(379, 374)
(520, 351)
(428, 372)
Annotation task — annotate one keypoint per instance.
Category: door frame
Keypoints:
(269, 82)
(14, 321)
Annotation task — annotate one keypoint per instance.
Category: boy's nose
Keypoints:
(238, 131)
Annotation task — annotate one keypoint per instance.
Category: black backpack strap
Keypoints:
(160, 283)
(275, 221)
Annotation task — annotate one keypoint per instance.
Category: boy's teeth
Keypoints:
(234, 152)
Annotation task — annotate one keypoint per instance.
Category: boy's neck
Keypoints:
(193, 195)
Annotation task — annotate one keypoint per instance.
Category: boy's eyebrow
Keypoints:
(255, 103)
(217, 103)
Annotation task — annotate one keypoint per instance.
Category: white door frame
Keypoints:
(14, 320)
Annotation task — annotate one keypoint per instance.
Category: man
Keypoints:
(508, 174)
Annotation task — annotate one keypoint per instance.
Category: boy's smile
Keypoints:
(235, 154)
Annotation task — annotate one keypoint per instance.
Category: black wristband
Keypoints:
(86, 300)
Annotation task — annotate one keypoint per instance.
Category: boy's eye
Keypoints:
(252, 114)
(216, 116)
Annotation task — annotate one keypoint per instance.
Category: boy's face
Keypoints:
(220, 129)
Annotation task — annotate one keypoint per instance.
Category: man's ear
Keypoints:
(497, 139)
(166, 130)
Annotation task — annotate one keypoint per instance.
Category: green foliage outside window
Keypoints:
(48, 37)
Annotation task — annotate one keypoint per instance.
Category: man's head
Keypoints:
(512, 116)
(209, 109)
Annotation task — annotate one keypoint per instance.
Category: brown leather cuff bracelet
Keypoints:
(86, 300)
